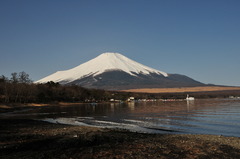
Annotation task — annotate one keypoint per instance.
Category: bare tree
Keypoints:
(3, 79)
(23, 77)
(14, 78)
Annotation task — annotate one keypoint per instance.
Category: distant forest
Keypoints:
(19, 88)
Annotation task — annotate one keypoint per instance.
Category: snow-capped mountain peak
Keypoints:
(102, 63)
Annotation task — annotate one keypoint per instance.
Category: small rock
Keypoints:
(75, 135)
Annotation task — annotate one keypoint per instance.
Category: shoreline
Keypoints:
(26, 138)
(19, 105)
(2, 105)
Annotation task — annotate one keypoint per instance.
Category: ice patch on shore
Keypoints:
(90, 121)
(67, 121)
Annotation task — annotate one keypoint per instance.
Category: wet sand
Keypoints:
(23, 138)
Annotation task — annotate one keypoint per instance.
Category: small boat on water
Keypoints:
(190, 98)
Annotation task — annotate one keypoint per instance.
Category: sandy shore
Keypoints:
(22, 138)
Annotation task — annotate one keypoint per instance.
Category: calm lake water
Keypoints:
(219, 117)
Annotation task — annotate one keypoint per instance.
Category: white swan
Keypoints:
(189, 98)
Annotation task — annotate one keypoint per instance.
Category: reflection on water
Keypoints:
(219, 117)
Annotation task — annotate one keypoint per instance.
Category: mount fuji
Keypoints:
(114, 71)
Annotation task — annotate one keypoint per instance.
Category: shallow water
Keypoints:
(218, 117)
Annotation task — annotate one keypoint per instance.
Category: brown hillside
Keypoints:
(182, 89)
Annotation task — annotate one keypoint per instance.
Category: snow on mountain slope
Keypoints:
(102, 63)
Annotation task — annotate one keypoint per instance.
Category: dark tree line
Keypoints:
(15, 89)
(20, 89)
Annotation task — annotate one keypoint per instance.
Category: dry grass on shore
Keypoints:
(182, 89)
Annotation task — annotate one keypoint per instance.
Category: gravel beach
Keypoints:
(24, 138)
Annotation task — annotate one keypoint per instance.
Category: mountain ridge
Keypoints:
(116, 72)
(102, 63)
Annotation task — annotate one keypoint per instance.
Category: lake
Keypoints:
(203, 116)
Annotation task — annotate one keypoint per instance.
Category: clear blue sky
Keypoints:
(197, 38)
